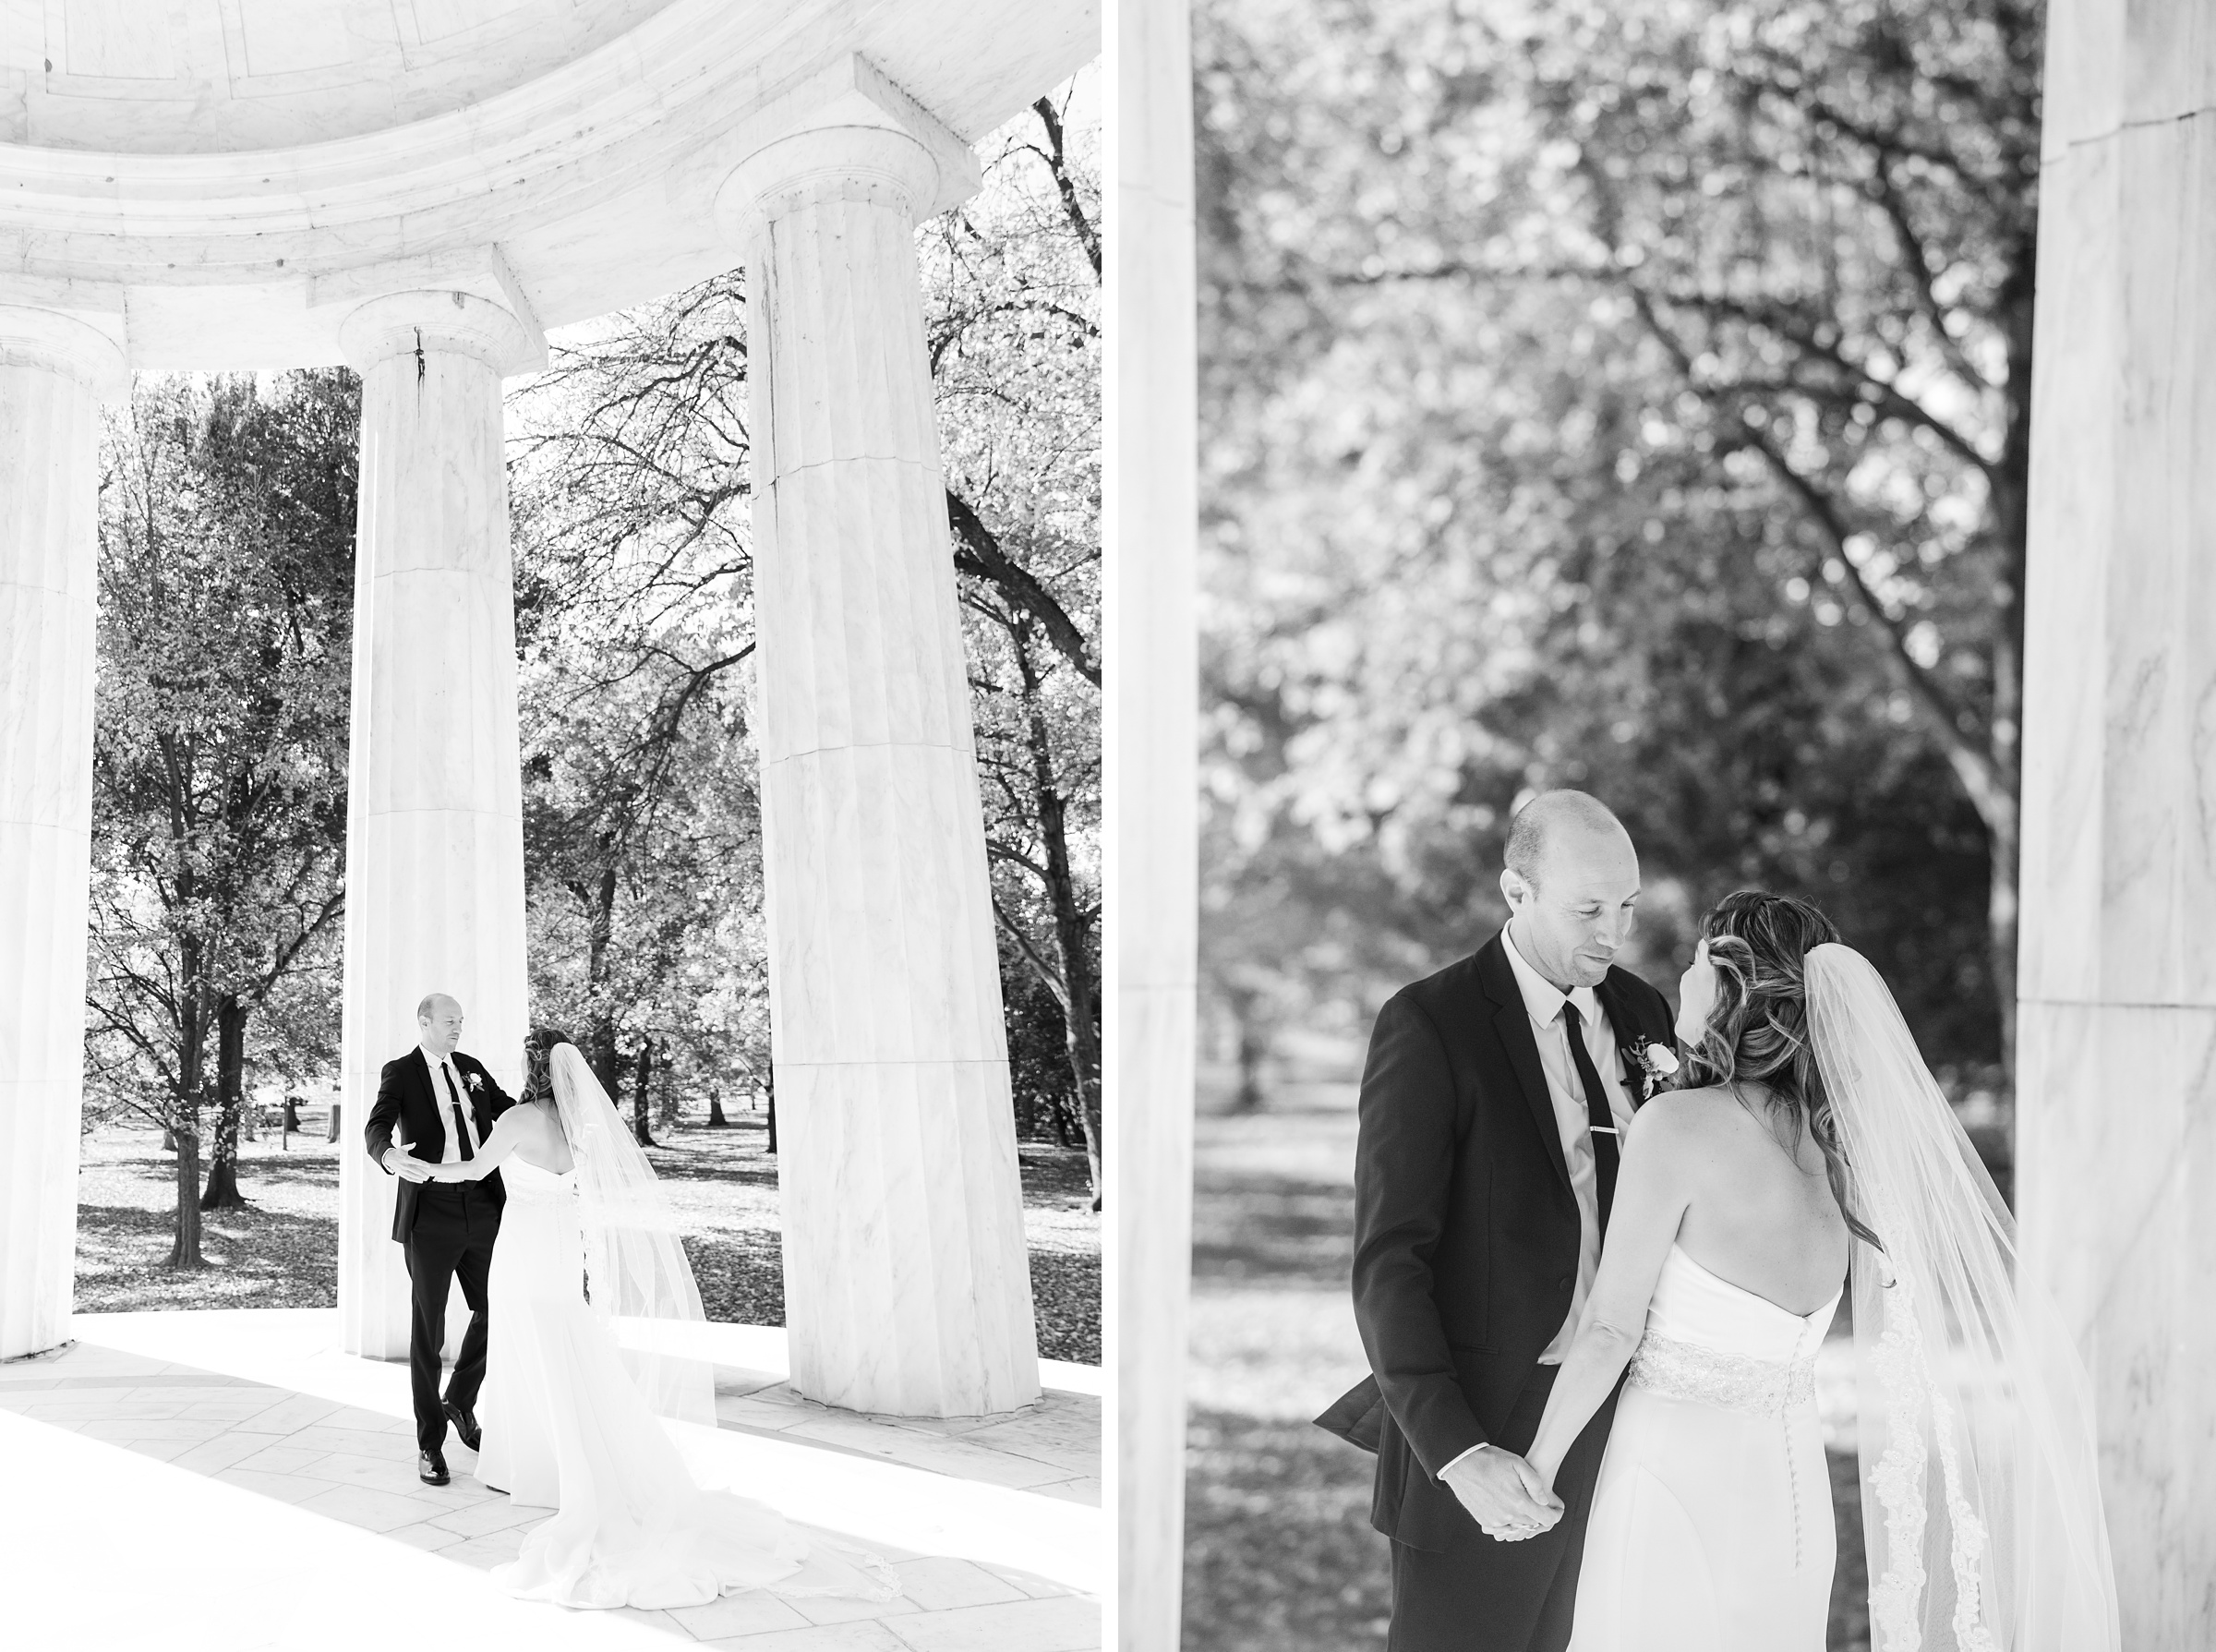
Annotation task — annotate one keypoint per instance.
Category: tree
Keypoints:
(1499, 312)
(1013, 280)
(219, 748)
(636, 622)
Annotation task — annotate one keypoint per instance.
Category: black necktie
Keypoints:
(461, 1131)
(1601, 1122)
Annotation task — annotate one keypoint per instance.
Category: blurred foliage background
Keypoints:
(1627, 395)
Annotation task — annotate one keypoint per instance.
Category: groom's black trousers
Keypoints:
(456, 1224)
(1483, 1596)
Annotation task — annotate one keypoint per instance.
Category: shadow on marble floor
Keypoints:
(324, 1458)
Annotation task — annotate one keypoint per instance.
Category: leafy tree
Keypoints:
(1626, 396)
(226, 575)
(1013, 320)
(636, 618)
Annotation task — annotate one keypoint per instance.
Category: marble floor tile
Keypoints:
(368, 1507)
(868, 1636)
(853, 1611)
(751, 1612)
(1069, 1624)
(285, 1488)
(495, 1514)
(425, 1536)
(488, 1550)
(280, 1459)
(149, 1428)
(938, 1584)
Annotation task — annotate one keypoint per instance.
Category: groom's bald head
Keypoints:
(1554, 820)
(438, 1023)
(1571, 883)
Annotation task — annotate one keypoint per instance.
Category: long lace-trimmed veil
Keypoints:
(636, 1274)
(1980, 1493)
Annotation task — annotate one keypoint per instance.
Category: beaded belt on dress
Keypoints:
(1680, 1371)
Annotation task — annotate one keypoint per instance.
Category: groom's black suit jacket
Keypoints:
(406, 1095)
(1466, 1229)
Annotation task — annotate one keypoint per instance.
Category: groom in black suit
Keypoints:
(1484, 1169)
(443, 1104)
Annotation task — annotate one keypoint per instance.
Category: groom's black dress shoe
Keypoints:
(465, 1424)
(430, 1468)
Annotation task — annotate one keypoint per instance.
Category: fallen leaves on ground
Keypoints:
(281, 1250)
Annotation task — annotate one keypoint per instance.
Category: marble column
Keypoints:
(2116, 1051)
(1153, 787)
(434, 827)
(54, 370)
(907, 1282)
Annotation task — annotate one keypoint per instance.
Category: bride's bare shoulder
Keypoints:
(1685, 1114)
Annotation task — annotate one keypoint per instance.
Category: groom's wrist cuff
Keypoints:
(1471, 1452)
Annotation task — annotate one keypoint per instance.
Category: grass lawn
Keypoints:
(283, 1250)
(1279, 1551)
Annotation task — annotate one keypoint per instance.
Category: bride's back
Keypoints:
(1760, 1214)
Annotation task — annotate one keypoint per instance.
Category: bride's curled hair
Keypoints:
(1757, 1030)
(538, 1050)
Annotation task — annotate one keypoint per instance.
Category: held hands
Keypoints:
(1504, 1494)
(406, 1166)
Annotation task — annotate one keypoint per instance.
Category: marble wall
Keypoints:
(1153, 790)
(434, 828)
(2116, 1110)
(52, 372)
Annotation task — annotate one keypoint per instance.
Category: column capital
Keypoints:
(68, 344)
(872, 164)
(444, 321)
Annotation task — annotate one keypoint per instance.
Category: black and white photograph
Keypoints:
(550, 859)
(1702, 1024)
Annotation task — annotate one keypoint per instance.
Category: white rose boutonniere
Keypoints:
(476, 1080)
(1657, 1064)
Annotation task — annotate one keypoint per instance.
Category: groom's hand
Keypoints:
(1503, 1493)
(406, 1166)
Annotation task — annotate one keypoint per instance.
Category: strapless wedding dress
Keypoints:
(1710, 1529)
(565, 1426)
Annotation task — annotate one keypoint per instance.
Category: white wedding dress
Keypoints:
(1711, 1528)
(566, 1427)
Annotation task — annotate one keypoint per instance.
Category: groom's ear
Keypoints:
(1513, 889)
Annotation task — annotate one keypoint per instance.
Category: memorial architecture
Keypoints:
(2116, 1052)
(421, 189)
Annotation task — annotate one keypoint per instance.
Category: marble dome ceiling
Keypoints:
(212, 181)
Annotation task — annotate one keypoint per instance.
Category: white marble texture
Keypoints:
(435, 840)
(257, 148)
(1153, 790)
(52, 370)
(2116, 1053)
(906, 1283)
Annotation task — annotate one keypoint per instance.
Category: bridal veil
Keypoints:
(1980, 1494)
(636, 1274)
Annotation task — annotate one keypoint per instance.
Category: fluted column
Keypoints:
(434, 827)
(906, 1284)
(2116, 1048)
(54, 370)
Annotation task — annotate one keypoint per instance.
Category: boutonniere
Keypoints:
(1655, 1063)
(476, 1080)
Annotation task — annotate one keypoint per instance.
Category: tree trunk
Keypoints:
(223, 1192)
(770, 1090)
(639, 1087)
(1073, 942)
(1253, 1048)
(331, 1130)
(192, 1027)
(716, 1118)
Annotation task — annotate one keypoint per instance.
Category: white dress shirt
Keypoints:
(1543, 1002)
(442, 1067)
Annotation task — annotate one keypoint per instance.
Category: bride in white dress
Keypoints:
(1812, 1149)
(574, 1389)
